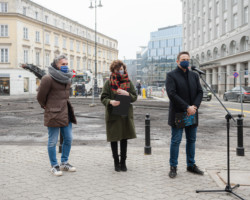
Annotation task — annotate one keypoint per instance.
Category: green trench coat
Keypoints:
(118, 127)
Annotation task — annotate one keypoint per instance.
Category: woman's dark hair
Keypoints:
(116, 65)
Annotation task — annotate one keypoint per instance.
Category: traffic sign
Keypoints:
(236, 74)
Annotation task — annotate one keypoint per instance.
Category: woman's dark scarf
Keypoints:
(118, 81)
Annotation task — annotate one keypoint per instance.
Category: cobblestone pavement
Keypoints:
(24, 174)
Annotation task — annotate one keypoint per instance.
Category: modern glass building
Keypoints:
(165, 43)
(163, 48)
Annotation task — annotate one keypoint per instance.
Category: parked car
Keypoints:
(207, 95)
(234, 94)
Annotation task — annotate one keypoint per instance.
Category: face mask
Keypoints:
(64, 69)
(121, 72)
(184, 64)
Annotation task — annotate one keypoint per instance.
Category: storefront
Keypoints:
(4, 84)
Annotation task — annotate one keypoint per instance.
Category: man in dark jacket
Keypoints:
(53, 96)
(185, 94)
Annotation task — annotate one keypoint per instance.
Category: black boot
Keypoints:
(123, 155)
(114, 149)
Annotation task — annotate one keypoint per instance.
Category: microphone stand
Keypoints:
(228, 116)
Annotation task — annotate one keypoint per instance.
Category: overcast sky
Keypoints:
(128, 21)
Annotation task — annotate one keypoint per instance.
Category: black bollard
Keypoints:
(240, 149)
(61, 141)
(147, 148)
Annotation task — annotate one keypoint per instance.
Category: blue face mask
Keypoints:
(184, 64)
(65, 69)
(121, 72)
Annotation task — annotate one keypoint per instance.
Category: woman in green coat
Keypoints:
(118, 128)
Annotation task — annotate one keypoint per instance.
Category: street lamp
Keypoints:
(95, 82)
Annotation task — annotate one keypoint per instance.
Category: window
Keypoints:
(225, 4)
(235, 21)
(89, 50)
(46, 19)
(24, 10)
(217, 31)
(56, 40)
(36, 15)
(78, 64)
(245, 15)
(225, 26)
(78, 46)
(25, 33)
(83, 48)
(3, 30)
(4, 55)
(63, 25)
(37, 58)
(3, 7)
(47, 59)
(46, 38)
(217, 9)
(235, 1)
(64, 43)
(71, 45)
(37, 36)
(71, 62)
(25, 56)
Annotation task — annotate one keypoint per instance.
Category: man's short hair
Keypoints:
(181, 53)
(60, 57)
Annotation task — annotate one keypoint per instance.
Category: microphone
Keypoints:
(197, 70)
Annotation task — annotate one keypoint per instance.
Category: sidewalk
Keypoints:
(25, 175)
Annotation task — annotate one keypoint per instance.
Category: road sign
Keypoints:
(236, 74)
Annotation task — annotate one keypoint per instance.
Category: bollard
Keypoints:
(147, 148)
(240, 149)
(144, 93)
(61, 141)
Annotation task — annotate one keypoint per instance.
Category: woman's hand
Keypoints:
(114, 103)
(122, 92)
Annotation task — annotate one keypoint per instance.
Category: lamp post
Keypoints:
(95, 82)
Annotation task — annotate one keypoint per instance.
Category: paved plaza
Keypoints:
(25, 175)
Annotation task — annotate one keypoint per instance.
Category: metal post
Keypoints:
(240, 149)
(61, 141)
(147, 148)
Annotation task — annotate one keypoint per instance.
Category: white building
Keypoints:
(30, 33)
(216, 33)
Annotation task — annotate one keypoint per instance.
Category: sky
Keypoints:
(128, 21)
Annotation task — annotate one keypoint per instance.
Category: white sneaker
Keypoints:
(56, 171)
(67, 167)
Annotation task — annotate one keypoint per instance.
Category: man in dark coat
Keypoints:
(185, 95)
(138, 87)
(53, 96)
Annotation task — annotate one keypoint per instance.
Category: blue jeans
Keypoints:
(66, 146)
(190, 145)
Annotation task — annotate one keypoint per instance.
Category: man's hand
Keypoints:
(122, 92)
(191, 110)
(114, 103)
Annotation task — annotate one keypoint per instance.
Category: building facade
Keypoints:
(216, 33)
(159, 57)
(30, 33)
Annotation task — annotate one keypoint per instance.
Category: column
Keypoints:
(221, 80)
(208, 77)
(215, 79)
(230, 77)
(240, 68)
